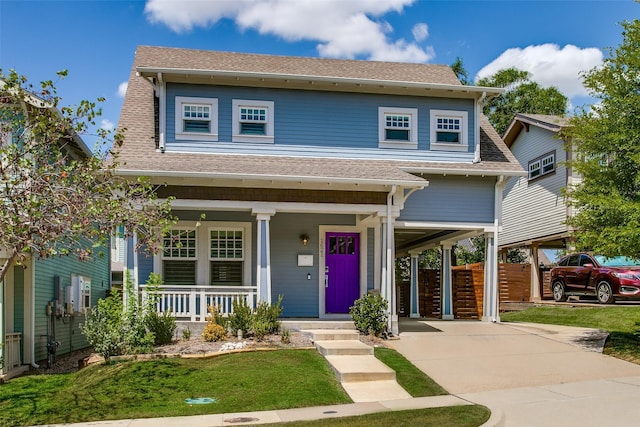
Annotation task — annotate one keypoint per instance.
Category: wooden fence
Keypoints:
(468, 288)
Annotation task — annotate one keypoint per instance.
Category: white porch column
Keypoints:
(535, 273)
(490, 311)
(263, 275)
(414, 301)
(446, 286)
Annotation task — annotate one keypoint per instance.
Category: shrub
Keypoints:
(186, 334)
(213, 332)
(240, 319)
(215, 316)
(162, 326)
(260, 329)
(266, 316)
(285, 337)
(369, 314)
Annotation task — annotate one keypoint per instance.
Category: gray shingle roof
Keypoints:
(138, 153)
(150, 56)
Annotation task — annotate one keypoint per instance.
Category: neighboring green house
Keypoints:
(534, 211)
(44, 300)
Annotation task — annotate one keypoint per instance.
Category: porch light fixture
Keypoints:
(305, 239)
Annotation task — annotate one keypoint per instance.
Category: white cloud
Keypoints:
(420, 31)
(122, 89)
(107, 124)
(343, 29)
(549, 65)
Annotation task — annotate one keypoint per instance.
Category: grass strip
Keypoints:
(412, 379)
(451, 416)
(622, 323)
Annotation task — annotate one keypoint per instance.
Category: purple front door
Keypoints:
(342, 271)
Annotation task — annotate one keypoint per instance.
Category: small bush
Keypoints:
(369, 314)
(162, 325)
(266, 316)
(285, 337)
(186, 334)
(240, 319)
(213, 332)
(216, 317)
(260, 329)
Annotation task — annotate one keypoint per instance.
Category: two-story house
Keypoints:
(305, 177)
(43, 301)
(534, 210)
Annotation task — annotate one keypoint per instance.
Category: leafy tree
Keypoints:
(466, 256)
(461, 72)
(607, 140)
(522, 96)
(57, 200)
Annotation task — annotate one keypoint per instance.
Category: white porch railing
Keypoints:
(190, 302)
(11, 352)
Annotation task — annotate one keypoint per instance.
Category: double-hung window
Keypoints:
(252, 121)
(226, 256)
(397, 127)
(196, 118)
(543, 165)
(179, 257)
(449, 130)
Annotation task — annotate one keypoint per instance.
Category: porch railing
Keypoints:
(11, 352)
(190, 302)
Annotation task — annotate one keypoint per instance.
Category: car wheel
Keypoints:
(604, 293)
(558, 292)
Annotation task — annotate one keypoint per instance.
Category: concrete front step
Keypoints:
(360, 368)
(307, 324)
(332, 334)
(343, 348)
(373, 391)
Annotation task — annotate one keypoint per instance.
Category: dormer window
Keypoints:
(196, 118)
(253, 121)
(397, 127)
(449, 130)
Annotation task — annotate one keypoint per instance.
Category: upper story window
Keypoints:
(397, 127)
(196, 118)
(252, 121)
(543, 165)
(449, 130)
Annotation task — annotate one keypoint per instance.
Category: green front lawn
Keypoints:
(622, 323)
(241, 382)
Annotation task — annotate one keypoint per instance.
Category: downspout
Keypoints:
(162, 113)
(478, 111)
(388, 261)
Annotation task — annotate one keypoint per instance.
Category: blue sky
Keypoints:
(96, 40)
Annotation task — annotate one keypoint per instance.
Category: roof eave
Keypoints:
(417, 183)
(475, 90)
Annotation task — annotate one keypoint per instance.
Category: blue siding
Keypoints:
(67, 330)
(317, 118)
(452, 199)
(300, 295)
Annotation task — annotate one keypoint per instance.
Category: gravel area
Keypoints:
(196, 345)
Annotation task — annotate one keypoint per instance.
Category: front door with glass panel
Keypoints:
(342, 271)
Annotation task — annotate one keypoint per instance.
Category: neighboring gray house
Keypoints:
(534, 211)
(312, 175)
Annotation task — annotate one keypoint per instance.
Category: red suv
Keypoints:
(585, 274)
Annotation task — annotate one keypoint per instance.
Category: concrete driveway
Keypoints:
(527, 374)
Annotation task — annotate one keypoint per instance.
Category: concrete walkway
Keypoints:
(527, 374)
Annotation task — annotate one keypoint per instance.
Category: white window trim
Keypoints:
(464, 131)
(212, 103)
(183, 228)
(412, 143)
(203, 253)
(268, 138)
(540, 167)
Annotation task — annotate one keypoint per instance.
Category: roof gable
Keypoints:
(521, 121)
